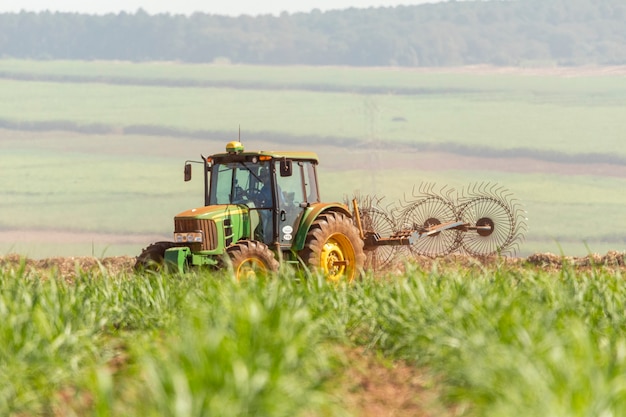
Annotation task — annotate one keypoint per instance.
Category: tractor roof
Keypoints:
(236, 149)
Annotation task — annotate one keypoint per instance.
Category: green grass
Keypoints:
(155, 345)
(503, 341)
(510, 343)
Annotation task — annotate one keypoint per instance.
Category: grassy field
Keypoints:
(68, 161)
(572, 122)
(486, 341)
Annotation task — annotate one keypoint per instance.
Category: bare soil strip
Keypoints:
(66, 236)
(68, 266)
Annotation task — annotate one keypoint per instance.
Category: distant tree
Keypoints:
(566, 32)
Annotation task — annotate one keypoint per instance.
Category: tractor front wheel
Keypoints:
(152, 257)
(334, 247)
(251, 258)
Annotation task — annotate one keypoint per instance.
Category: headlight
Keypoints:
(188, 237)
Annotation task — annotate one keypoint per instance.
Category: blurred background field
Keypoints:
(91, 153)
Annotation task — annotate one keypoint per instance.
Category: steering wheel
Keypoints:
(239, 195)
(245, 196)
(254, 195)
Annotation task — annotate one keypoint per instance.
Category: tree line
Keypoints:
(496, 32)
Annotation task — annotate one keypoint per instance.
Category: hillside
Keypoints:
(513, 33)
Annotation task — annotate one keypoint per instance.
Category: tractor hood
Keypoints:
(215, 227)
(215, 213)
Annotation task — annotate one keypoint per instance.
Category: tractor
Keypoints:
(262, 208)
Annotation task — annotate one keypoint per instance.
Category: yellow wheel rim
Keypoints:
(337, 258)
(250, 268)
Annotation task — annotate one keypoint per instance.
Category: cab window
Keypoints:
(290, 188)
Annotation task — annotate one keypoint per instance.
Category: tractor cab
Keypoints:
(276, 188)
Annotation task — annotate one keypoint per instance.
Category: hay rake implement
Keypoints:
(481, 220)
(264, 207)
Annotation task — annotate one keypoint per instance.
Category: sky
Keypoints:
(221, 7)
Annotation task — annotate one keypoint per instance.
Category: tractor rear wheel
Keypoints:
(334, 247)
(152, 257)
(251, 258)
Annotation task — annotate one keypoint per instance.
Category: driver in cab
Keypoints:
(263, 200)
(264, 197)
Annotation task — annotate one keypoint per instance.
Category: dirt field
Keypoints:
(67, 266)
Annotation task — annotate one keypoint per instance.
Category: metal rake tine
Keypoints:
(407, 203)
(391, 206)
(424, 188)
(448, 193)
(495, 189)
(405, 199)
(505, 193)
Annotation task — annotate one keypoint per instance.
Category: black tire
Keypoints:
(251, 258)
(334, 247)
(152, 257)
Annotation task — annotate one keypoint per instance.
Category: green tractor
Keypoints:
(261, 208)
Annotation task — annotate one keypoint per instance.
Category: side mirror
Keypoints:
(187, 172)
(286, 168)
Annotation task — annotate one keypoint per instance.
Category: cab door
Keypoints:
(295, 193)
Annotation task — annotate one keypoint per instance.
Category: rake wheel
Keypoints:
(498, 220)
(432, 210)
(375, 219)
